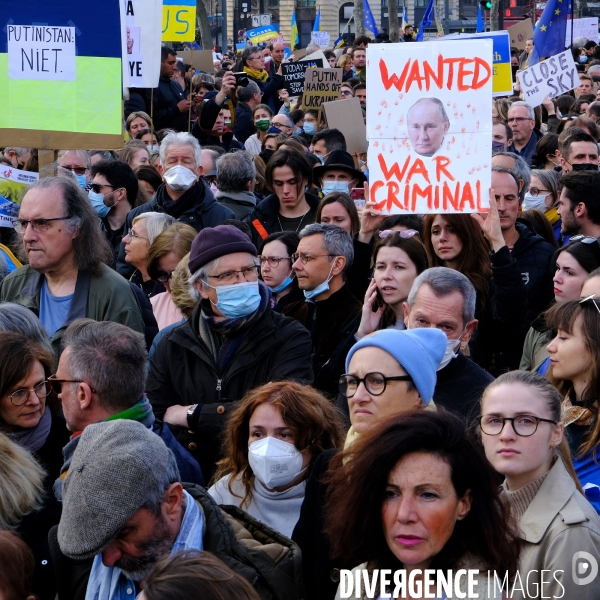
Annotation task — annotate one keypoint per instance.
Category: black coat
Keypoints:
(183, 371)
(203, 127)
(264, 219)
(200, 210)
(165, 99)
(150, 324)
(243, 125)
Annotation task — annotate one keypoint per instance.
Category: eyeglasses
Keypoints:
(96, 187)
(19, 397)
(535, 192)
(56, 384)
(78, 170)
(273, 261)
(523, 425)
(592, 299)
(518, 120)
(249, 274)
(38, 225)
(584, 239)
(406, 233)
(375, 383)
(164, 277)
(132, 234)
(304, 258)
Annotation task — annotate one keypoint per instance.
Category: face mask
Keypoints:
(157, 148)
(584, 167)
(321, 288)
(583, 59)
(451, 347)
(266, 154)
(297, 131)
(335, 186)
(81, 180)
(237, 300)
(179, 178)
(262, 124)
(98, 205)
(274, 462)
(309, 128)
(274, 129)
(538, 202)
(287, 281)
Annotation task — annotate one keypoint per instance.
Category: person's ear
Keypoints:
(171, 506)
(340, 264)
(84, 395)
(509, 143)
(580, 210)
(406, 313)
(160, 169)
(464, 505)
(200, 170)
(198, 285)
(557, 435)
(466, 336)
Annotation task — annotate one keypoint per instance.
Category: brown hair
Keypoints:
(176, 238)
(130, 148)
(195, 573)
(502, 106)
(563, 316)
(473, 261)
(313, 420)
(16, 565)
(135, 115)
(347, 203)
(180, 289)
(357, 492)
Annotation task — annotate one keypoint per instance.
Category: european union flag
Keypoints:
(480, 22)
(549, 35)
(425, 21)
(369, 19)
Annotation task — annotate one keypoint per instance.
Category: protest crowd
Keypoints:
(229, 370)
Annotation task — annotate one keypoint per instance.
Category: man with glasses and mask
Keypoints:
(321, 264)
(78, 162)
(521, 119)
(579, 204)
(232, 343)
(67, 277)
(579, 152)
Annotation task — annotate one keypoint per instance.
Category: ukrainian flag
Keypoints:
(317, 25)
(295, 38)
(339, 42)
(404, 19)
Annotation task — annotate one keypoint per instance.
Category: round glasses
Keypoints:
(19, 397)
(375, 383)
(523, 425)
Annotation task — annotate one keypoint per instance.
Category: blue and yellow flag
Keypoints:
(295, 38)
(317, 25)
(425, 21)
(404, 19)
(549, 34)
(369, 19)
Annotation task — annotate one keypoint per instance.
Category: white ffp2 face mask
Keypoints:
(274, 462)
(180, 178)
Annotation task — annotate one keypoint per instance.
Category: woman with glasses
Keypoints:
(574, 262)
(164, 254)
(458, 242)
(276, 271)
(575, 372)
(523, 436)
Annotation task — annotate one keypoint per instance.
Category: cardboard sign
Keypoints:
(320, 86)
(347, 116)
(294, 74)
(179, 21)
(142, 22)
(552, 77)
(429, 126)
(320, 38)
(502, 83)
(520, 33)
(199, 59)
(587, 28)
(262, 34)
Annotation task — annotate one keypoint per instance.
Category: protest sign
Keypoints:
(347, 116)
(520, 33)
(179, 21)
(502, 84)
(314, 56)
(199, 59)
(13, 185)
(321, 85)
(262, 34)
(66, 93)
(429, 126)
(320, 38)
(142, 21)
(587, 28)
(552, 77)
(294, 73)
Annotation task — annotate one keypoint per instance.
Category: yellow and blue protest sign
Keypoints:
(179, 21)
(262, 34)
(61, 74)
(502, 84)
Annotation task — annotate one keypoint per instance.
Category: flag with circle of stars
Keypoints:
(549, 36)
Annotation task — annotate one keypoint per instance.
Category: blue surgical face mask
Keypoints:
(98, 205)
(81, 180)
(321, 288)
(237, 300)
(154, 148)
(287, 281)
(583, 59)
(335, 186)
(309, 128)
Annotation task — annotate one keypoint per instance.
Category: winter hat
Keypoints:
(214, 242)
(116, 467)
(418, 351)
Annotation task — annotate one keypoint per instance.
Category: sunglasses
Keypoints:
(407, 233)
(56, 384)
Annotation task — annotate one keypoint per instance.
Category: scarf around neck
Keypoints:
(260, 75)
(33, 438)
(176, 208)
(140, 412)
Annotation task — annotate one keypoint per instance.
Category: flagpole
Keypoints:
(572, 19)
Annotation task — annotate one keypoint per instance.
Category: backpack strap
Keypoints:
(260, 229)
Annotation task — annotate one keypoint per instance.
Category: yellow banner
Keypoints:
(179, 22)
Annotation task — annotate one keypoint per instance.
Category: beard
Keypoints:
(157, 547)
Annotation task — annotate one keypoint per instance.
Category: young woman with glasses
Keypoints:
(523, 436)
(575, 372)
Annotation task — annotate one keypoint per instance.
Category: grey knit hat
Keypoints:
(116, 466)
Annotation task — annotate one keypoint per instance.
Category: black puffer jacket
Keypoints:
(183, 371)
(165, 99)
(197, 207)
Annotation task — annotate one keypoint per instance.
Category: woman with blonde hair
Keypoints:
(137, 121)
(272, 438)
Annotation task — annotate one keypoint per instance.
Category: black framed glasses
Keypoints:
(56, 384)
(375, 383)
(535, 192)
(304, 258)
(38, 225)
(584, 239)
(164, 277)
(405, 234)
(20, 396)
(523, 425)
(273, 261)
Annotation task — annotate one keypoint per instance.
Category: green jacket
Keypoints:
(103, 297)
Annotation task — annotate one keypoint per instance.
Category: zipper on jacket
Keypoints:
(219, 385)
